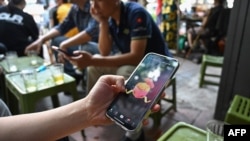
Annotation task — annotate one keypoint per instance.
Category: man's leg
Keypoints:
(93, 74)
(125, 71)
(90, 47)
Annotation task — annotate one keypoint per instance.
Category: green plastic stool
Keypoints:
(181, 42)
(182, 131)
(209, 60)
(158, 115)
(239, 111)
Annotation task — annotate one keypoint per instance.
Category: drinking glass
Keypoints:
(33, 57)
(57, 73)
(30, 79)
(11, 60)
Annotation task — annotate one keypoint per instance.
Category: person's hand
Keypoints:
(101, 96)
(60, 57)
(97, 15)
(81, 60)
(36, 45)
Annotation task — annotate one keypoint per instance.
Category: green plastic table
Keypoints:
(182, 131)
(16, 93)
(22, 63)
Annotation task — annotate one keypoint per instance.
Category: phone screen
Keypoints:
(143, 89)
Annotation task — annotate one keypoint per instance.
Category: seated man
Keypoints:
(79, 17)
(57, 14)
(207, 29)
(17, 28)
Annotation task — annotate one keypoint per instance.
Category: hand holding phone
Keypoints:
(143, 89)
(62, 51)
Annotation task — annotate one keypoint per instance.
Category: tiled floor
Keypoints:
(194, 105)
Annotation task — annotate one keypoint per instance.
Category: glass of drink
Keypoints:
(11, 60)
(57, 73)
(33, 57)
(30, 79)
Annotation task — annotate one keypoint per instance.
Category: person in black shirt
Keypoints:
(17, 28)
(207, 29)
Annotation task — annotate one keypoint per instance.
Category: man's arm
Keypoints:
(137, 49)
(131, 58)
(37, 45)
(105, 40)
(80, 38)
(44, 126)
(59, 122)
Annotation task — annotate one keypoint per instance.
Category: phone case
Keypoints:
(60, 50)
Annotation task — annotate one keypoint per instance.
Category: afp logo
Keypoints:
(237, 132)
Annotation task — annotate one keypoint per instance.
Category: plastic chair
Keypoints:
(181, 42)
(158, 115)
(213, 61)
(183, 131)
(239, 111)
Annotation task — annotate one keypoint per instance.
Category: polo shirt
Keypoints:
(59, 13)
(136, 23)
(81, 19)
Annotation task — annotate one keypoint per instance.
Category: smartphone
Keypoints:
(143, 90)
(60, 50)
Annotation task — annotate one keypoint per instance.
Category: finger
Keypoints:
(60, 58)
(163, 94)
(156, 108)
(116, 81)
(145, 122)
